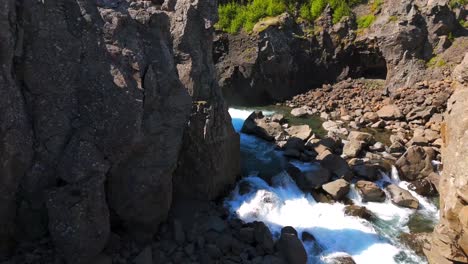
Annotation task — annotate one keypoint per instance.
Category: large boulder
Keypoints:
(416, 163)
(367, 171)
(309, 180)
(353, 148)
(390, 112)
(291, 248)
(336, 164)
(299, 112)
(361, 136)
(402, 197)
(423, 187)
(263, 237)
(258, 125)
(370, 192)
(338, 189)
(421, 113)
(302, 131)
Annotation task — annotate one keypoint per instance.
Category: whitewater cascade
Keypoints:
(283, 204)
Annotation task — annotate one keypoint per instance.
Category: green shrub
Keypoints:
(341, 11)
(317, 7)
(234, 16)
(227, 13)
(365, 21)
(314, 8)
(304, 12)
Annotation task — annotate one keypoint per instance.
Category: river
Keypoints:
(281, 203)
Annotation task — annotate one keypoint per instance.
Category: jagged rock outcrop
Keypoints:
(450, 239)
(109, 109)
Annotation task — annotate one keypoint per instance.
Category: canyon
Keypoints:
(136, 132)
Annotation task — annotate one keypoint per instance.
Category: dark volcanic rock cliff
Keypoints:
(109, 109)
(288, 58)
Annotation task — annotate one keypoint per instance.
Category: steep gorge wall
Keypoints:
(109, 110)
(288, 58)
(450, 239)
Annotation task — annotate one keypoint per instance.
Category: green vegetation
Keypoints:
(436, 62)
(234, 16)
(450, 37)
(376, 4)
(365, 21)
(312, 9)
(463, 23)
(392, 18)
(458, 3)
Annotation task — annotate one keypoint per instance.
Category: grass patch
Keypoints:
(365, 21)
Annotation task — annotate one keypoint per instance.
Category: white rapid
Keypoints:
(283, 204)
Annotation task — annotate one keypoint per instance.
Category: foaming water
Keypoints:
(281, 203)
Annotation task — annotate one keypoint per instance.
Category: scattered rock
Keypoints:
(358, 211)
(361, 136)
(390, 112)
(278, 118)
(371, 117)
(299, 112)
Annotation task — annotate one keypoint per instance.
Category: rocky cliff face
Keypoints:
(288, 58)
(109, 110)
(450, 238)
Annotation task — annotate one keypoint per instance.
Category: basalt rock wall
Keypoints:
(110, 109)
